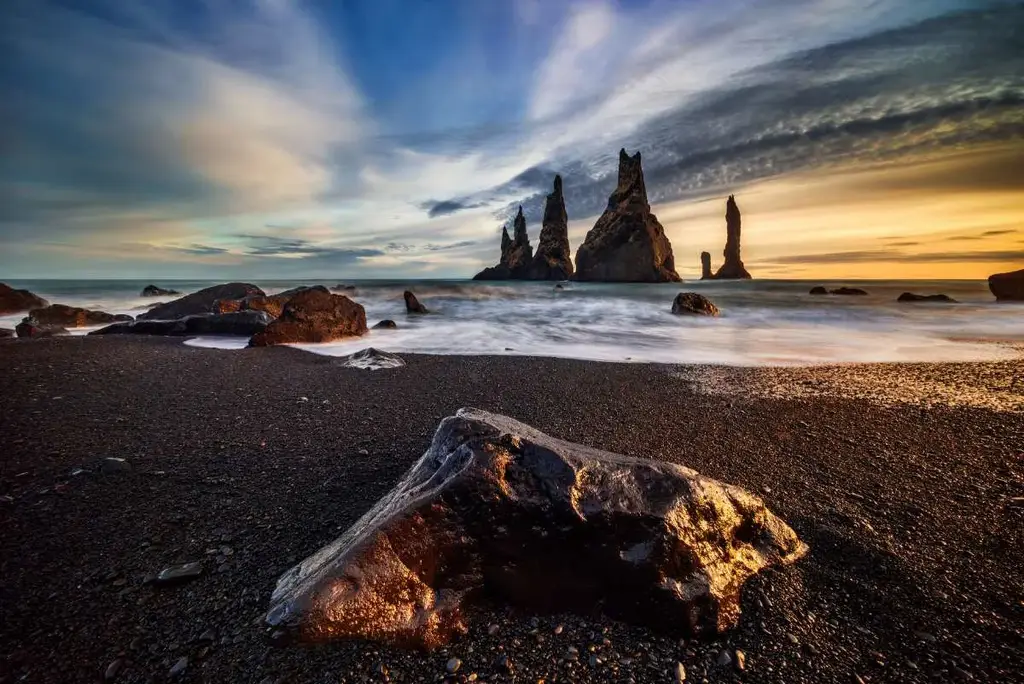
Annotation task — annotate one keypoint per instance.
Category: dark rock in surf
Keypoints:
(238, 323)
(74, 317)
(386, 324)
(733, 268)
(912, 297)
(202, 302)
(1007, 287)
(627, 244)
(313, 316)
(848, 291)
(412, 305)
(30, 328)
(819, 290)
(498, 511)
(154, 291)
(13, 301)
(272, 304)
(553, 260)
(705, 266)
(691, 303)
(144, 327)
(516, 254)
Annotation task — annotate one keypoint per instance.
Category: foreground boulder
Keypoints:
(240, 323)
(693, 304)
(202, 302)
(373, 359)
(385, 324)
(13, 301)
(627, 244)
(73, 316)
(497, 509)
(154, 291)
(412, 305)
(1007, 286)
(30, 328)
(313, 316)
(272, 304)
(912, 297)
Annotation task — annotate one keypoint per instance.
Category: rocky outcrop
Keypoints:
(912, 297)
(412, 305)
(497, 509)
(272, 304)
(732, 268)
(373, 359)
(202, 302)
(818, 290)
(627, 244)
(553, 260)
(13, 301)
(238, 323)
(516, 254)
(29, 328)
(73, 317)
(693, 304)
(848, 291)
(1008, 287)
(154, 291)
(705, 266)
(313, 316)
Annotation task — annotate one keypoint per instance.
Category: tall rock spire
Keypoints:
(705, 266)
(733, 268)
(627, 244)
(554, 258)
(516, 254)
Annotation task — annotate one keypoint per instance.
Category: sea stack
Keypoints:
(627, 244)
(516, 254)
(553, 260)
(705, 266)
(733, 268)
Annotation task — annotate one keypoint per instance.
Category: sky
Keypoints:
(350, 139)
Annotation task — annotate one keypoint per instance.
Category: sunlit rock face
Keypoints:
(496, 508)
(202, 302)
(313, 316)
(272, 304)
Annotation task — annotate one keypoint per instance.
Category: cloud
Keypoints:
(445, 207)
(878, 255)
(990, 233)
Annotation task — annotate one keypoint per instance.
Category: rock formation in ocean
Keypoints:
(733, 268)
(154, 291)
(705, 266)
(1007, 286)
(201, 302)
(239, 323)
(13, 301)
(313, 316)
(272, 304)
(516, 254)
(385, 324)
(412, 305)
(912, 297)
(627, 244)
(30, 328)
(498, 511)
(691, 303)
(856, 291)
(73, 316)
(553, 260)
(818, 290)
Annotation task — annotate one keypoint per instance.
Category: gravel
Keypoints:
(913, 512)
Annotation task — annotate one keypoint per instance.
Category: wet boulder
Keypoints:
(144, 327)
(1007, 286)
(30, 328)
(154, 291)
(313, 316)
(693, 304)
(412, 305)
(386, 324)
(497, 509)
(912, 297)
(272, 304)
(13, 301)
(373, 359)
(202, 302)
(241, 323)
(74, 317)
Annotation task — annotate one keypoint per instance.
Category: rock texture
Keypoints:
(373, 359)
(733, 268)
(516, 254)
(272, 304)
(73, 317)
(627, 244)
(705, 266)
(691, 303)
(13, 301)
(553, 260)
(1007, 286)
(202, 302)
(912, 297)
(154, 291)
(495, 508)
(313, 316)
(29, 328)
(240, 323)
(412, 305)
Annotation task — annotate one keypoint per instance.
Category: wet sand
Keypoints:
(250, 460)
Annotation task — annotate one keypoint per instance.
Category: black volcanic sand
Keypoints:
(250, 460)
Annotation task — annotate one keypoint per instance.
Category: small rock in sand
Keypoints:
(179, 667)
(176, 574)
(113, 465)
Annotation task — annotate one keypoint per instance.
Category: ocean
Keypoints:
(762, 322)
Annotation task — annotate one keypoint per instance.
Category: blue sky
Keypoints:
(392, 138)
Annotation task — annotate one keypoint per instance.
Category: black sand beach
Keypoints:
(250, 460)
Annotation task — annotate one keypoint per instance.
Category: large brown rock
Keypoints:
(693, 304)
(313, 316)
(732, 268)
(1007, 286)
(202, 302)
(516, 254)
(496, 508)
(553, 260)
(13, 301)
(272, 304)
(627, 244)
(73, 317)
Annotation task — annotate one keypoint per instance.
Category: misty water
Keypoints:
(762, 322)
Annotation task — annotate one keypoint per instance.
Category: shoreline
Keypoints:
(906, 580)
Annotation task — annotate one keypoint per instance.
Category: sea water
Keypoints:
(762, 322)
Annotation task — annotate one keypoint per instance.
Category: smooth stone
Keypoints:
(176, 574)
(179, 667)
